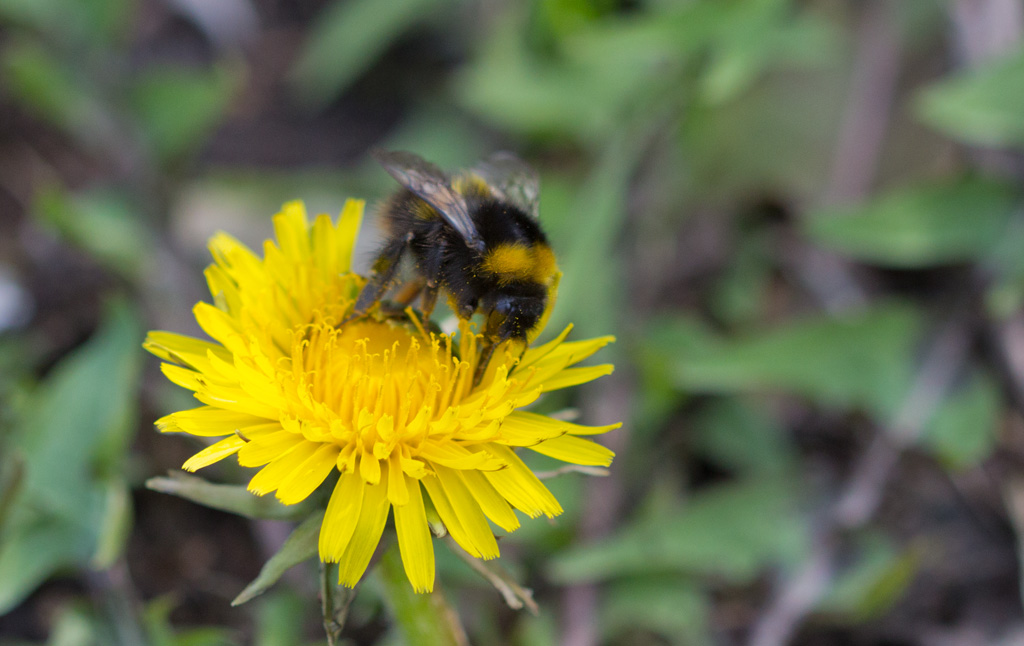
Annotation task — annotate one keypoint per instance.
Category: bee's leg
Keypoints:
(384, 269)
(409, 292)
(486, 352)
(432, 275)
(395, 308)
(492, 339)
(429, 299)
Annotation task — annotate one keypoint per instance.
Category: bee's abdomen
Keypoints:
(516, 261)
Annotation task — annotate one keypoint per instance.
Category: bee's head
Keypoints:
(512, 315)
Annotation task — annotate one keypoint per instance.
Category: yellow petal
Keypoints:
(207, 421)
(310, 474)
(519, 429)
(455, 456)
(341, 516)
(236, 400)
(545, 426)
(533, 355)
(398, 485)
(575, 376)
(220, 326)
(573, 352)
(576, 451)
(414, 540)
(178, 348)
(520, 486)
(274, 474)
(446, 512)
(325, 252)
(184, 377)
(290, 231)
(491, 502)
(369, 468)
(224, 289)
(468, 511)
(372, 517)
(268, 447)
(347, 230)
(230, 253)
(214, 453)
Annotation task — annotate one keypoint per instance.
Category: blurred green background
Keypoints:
(802, 219)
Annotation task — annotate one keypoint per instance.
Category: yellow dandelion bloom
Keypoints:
(390, 407)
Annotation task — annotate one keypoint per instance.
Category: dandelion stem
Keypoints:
(335, 601)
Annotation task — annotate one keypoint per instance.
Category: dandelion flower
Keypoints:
(299, 394)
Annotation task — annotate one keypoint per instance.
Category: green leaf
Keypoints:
(179, 108)
(920, 226)
(206, 636)
(91, 24)
(80, 421)
(101, 222)
(1005, 297)
(30, 555)
(74, 626)
(50, 89)
(674, 607)
(778, 137)
(741, 436)
(348, 38)
(582, 90)
(536, 630)
(422, 619)
(35, 13)
(742, 290)
(300, 546)
(160, 632)
(590, 291)
(73, 437)
(863, 360)
(731, 531)
(281, 619)
(757, 35)
(114, 525)
(235, 499)
(963, 432)
(983, 106)
(12, 477)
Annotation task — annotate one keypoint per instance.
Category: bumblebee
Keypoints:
(474, 235)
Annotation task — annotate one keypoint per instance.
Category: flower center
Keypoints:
(373, 385)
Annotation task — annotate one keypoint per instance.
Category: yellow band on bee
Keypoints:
(520, 262)
(469, 184)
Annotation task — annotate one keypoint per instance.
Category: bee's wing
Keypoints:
(431, 184)
(513, 180)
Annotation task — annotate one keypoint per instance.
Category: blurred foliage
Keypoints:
(981, 106)
(70, 504)
(921, 226)
(686, 149)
